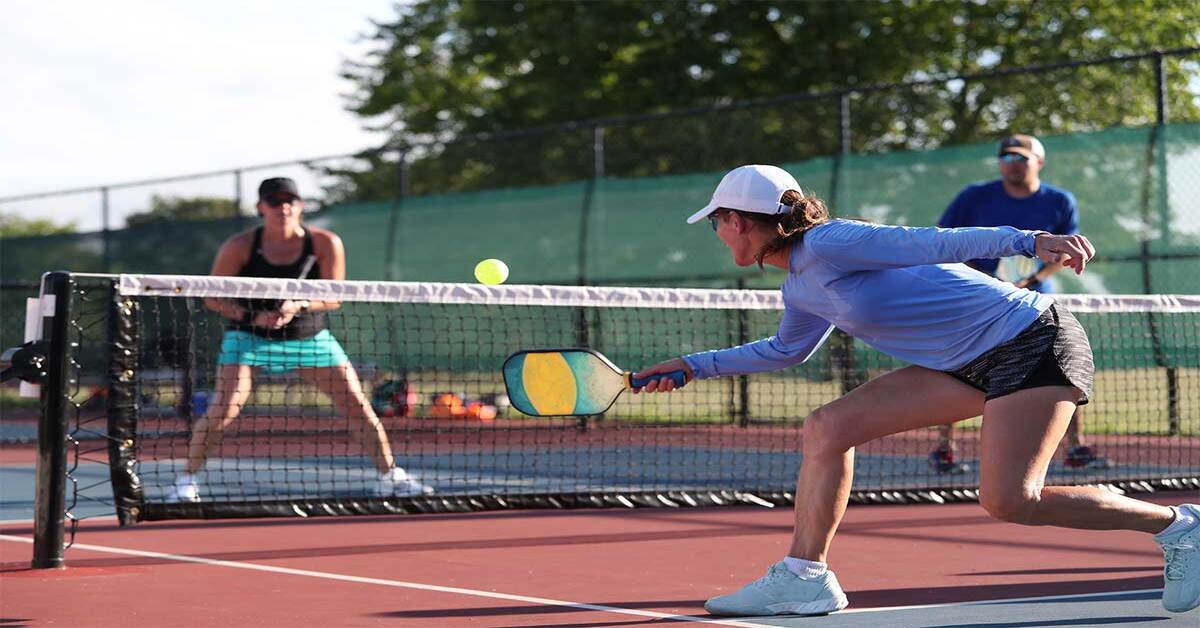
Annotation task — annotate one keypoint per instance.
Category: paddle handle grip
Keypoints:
(679, 377)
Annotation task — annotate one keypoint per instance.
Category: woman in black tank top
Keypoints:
(306, 323)
(286, 336)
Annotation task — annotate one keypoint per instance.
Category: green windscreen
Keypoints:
(1137, 191)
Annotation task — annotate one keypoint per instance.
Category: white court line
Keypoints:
(17, 522)
(395, 583)
(1010, 600)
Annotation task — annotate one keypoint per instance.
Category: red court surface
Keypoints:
(582, 568)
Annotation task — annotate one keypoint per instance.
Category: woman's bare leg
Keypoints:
(1021, 432)
(342, 385)
(905, 399)
(1074, 435)
(232, 390)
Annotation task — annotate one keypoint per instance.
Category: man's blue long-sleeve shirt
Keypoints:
(901, 290)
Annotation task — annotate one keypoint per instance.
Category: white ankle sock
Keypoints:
(1184, 520)
(805, 568)
(185, 478)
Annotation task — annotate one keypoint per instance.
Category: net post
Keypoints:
(122, 404)
(49, 522)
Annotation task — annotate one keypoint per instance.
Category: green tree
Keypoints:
(15, 226)
(444, 69)
(163, 208)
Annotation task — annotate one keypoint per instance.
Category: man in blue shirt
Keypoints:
(1019, 198)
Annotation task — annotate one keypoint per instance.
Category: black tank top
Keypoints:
(304, 324)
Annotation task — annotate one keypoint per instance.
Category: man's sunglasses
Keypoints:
(280, 200)
(714, 220)
(1009, 158)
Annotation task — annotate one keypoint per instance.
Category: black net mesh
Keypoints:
(429, 356)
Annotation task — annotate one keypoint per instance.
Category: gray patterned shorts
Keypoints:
(1052, 351)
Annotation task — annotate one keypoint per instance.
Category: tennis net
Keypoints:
(429, 357)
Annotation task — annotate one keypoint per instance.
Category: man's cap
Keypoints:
(751, 189)
(277, 185)
(1026, 145)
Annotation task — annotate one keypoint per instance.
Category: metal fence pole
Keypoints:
(389, 257)
(843, 146)
(1159, 152)
(105, 235)
(1155, 182)
(841, 347)
(1160, 88)
(598, 152)
(585, 209)
(237, 194)
(1162, 119)
(583, 333)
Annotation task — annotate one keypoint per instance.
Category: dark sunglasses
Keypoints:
(280, 200)
(1009, 158)
(714, 220)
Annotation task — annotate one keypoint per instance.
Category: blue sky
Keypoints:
(103, 92)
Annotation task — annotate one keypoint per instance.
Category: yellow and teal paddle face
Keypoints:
(562, 382)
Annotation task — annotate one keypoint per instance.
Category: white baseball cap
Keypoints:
(751, 189)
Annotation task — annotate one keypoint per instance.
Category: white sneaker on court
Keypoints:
(184, 490)
(1181, 576)
(782, 592)
(398, 483)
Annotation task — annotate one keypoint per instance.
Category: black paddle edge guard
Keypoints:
(573, 501)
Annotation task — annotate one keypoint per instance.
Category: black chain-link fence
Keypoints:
(602, 201)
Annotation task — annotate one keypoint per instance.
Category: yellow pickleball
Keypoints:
(491, 272)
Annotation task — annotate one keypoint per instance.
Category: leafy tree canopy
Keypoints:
(16, 226)
(164, 208)
(446, 68)
(472, 65)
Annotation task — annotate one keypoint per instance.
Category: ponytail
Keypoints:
(806, 213)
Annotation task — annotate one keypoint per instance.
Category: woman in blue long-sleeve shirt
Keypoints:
(977, 345)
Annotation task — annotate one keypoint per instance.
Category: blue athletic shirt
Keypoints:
(986, 204)
(898, 289)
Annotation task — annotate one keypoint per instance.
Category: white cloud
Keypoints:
(125, 90)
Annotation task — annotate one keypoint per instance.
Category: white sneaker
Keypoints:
(1181, 586)
(184, 490)
(398, 483)
(782, 592)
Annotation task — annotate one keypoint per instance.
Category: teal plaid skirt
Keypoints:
(280, 356)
